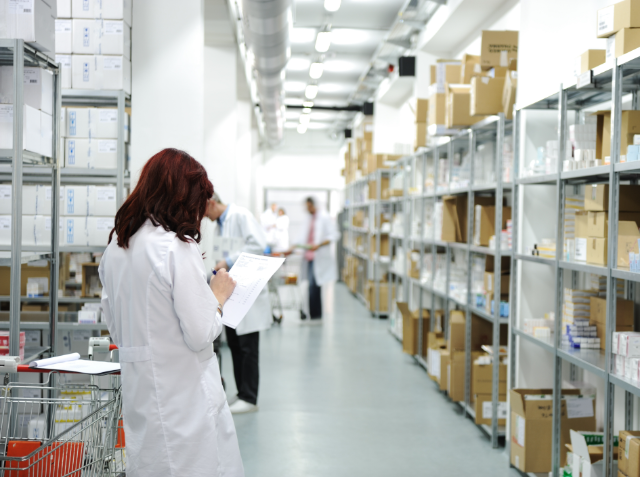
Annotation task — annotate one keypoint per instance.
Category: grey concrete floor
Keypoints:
(341, 399)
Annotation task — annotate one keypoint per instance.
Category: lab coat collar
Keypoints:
(223, 217)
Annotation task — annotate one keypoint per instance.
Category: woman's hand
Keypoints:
(222, 286)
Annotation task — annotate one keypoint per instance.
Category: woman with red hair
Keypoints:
(163, 316)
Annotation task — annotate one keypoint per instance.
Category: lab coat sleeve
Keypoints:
(331, 230)
(193, 301)
(255, 240)
(106, 307)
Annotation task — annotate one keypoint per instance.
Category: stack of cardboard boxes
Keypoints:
(620, 25)
(422, 114)
(629, 454)
(592, 226)
(489, 284)
(482, 390)
(411, 329)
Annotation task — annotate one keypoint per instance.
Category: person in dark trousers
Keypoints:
(319, 264)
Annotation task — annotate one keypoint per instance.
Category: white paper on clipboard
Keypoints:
(251, 272)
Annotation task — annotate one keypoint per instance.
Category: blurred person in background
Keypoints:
(282, 232)
(237, 222)
(268, 220)
(319, 265)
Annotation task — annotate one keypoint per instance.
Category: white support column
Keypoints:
(167, 73)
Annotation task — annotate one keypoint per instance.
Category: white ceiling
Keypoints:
(358, 27)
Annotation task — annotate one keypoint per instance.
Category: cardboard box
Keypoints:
(27, 271)
(630, 126)
(443, 378)
(509, 94)
(370, 295)
(458, 109)
(100, 72)
(384, 246)
(624, 317)
(411, 332)
(384, 185)
(64, 36)
(421, 135)
(628, 236)
(597, 251)
(596, 198)
(444, 72)
(38, 88)
(454, 216)
(100, 37)
(482, 379)
(630, 440)
(531, 427)
(89, 277)
(484, 409)
(422, 110)
(489, 280)
(37, 127)
(456, 375)
(612, 19)
(469, 68)
(484, 226)
(505, 265)
(590, 59)
(95, 123)
(32, 21)
(498, 48)
(486, 96)
(481, 332)
(437, 109)
(588, 458)
(598, 222)
(91, 153)
(107, 9)
(626, 40)
(457, 333)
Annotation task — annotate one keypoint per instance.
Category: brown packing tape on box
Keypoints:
(498, 48)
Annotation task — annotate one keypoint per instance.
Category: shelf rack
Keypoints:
(609, 83)
(414, 200)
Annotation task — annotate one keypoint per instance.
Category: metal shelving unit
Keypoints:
(610, 82)
(414, 201)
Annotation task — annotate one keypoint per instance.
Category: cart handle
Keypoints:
(25, 368)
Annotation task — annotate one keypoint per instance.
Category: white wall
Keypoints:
(553, 33)
(167, 73)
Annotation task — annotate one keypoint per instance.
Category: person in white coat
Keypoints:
(244, 341)
(268, 220)
(282, 232)
(319, 266)
(163, 316)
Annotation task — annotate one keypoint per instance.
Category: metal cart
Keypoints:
(286, 276)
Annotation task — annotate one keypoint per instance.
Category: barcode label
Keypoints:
(104, 223)
(5, 222)
(106, 194)
(107, 146)
(112, 63)
(63, 26)
(6, 113)
(108, 115)
(31, 76)
(113, 27)
(64, 60)
(5, 192)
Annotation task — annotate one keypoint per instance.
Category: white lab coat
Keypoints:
(161, 314)
(268, 222)
(325, 266)
(282, 234)
(239, 222)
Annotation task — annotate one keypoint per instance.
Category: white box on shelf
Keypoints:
(46, 134)
(32, 134)
(64, 36)
(38, 87)
(33, 230)
(64, 8)
(99, 123)
(102, 201)
(107, 9)
(91, 153)
(74, 231)
(32, 21)
(100, 72)
(65, 70)
(101, 37)
(98, 230)
(75, 201)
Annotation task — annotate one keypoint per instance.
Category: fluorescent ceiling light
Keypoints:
(315, 71)
(332, 5)
(308, 104)
(302, 128)
(352, 36)
(306, 110)
(323, 41)
(311, 91)
(305, 119)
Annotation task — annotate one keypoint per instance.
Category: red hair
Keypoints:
(172, 192)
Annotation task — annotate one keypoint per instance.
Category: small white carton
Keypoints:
(99, 229)
(76, 201)
(74, 231)
(91, 153)
(38, 88)
(101, 72)
(102, 201)
(64, 8)
(107, 9)
(31, 20)
(65, 70)
(101, 37)
(64, 36)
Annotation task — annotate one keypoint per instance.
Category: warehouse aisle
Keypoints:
(342, 400)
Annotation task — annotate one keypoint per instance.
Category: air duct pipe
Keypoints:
(266, 28)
